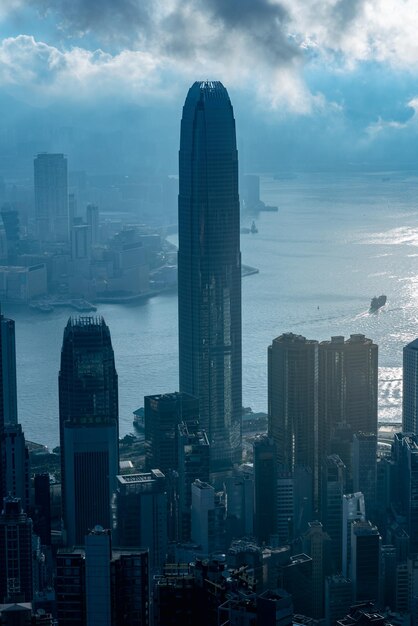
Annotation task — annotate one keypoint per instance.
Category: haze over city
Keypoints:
(208, 313)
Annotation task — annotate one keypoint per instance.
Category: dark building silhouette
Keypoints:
(101, 585)
(42, 508)
(88, 403)
(141, 503)
(407, 485)
(193, 463)
(332, 490)
(348, 372)
(410, 388)
(14, 456)
(14, 464)
(8, 390)
(365, 560)
(265, 488)
(51, 197)
(364, 468)
(16, 574)
(162, 415)
(209, 268)
(293, 402)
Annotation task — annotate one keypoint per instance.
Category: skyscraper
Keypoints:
(347, 387)
(8, 393)
(410, 388)
(88, 403)
(265, 487)
(293, 400)
(209, 268)
(16, 575)
(51, 197)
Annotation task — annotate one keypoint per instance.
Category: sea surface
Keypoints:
(336, 241)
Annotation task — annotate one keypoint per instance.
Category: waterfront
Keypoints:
(335, 242)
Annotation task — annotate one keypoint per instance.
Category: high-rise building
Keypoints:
(208, 518)
(265, 488)
(42, 508)
(98, 585)
(92, 219)
(193, 463)
(88, 403)
(316, 544)
(408, 487)
(98, 553)
(353, 510)
(162, 415)
(410, 388)
(293, 400)
(338, 598)
(209, 268)
(8, 392)
(14, 464)
(332, 490)
(16, 574)
(141, 503)
(364, 468)
(347, 386)
(51, 197)
(365, 560)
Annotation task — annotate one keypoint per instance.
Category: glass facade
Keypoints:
(209, 268)
(88, 403)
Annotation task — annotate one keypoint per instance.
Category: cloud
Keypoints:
(31, 68)
(146, 48)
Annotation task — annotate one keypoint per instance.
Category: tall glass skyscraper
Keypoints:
(88, 404)
(51, 197)
(209, 268)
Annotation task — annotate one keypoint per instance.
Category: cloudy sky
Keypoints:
(309, 79)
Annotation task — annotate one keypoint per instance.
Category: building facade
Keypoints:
(88, 404)
(209, 268)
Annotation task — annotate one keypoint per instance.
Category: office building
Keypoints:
(408, 487)
(8, 392)
(338, 598)
(388, 576)
(162, 415)
(410, 388)
(365, 561)
(297, 580)
(51, 197)
(14, 464)
(353, 510)
(141, 502)
(16, 573)
(97, 585)
(98, 554)
(317, 544)
(265, 488)
(70, 587)
(42, 508)
(88, 406)
(364, 468)
(239, 493)
(193, 463)
(175, 595)
(331, 503)
(209, 268)
(92, 219)
(208, 518)
(293, 400)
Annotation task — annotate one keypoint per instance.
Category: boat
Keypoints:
(244, 230)
(254, 228)
(376, 303)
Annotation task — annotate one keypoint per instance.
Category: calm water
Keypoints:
(335, 242)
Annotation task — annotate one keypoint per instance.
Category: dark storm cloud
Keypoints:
(177, 28)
